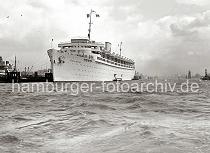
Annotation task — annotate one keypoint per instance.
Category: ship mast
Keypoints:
(120, 45)
(15, 64)
(90, 22)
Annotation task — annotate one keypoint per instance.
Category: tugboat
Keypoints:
(137, 76)
(206, 77)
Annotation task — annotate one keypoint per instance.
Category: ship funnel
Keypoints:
(108, 46)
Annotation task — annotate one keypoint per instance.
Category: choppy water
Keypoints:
(105, 122)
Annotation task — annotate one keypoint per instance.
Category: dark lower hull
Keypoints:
(3, 79)
(14, 77)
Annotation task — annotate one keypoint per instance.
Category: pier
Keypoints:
(15, 77)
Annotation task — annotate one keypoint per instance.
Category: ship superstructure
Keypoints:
(5, 67)
(82, 59)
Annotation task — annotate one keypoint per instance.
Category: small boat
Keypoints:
(206, 77)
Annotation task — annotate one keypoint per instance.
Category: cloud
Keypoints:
(184, 47)
(194, 2)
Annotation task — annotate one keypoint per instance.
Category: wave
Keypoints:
(136, 105)
(95, 106)
(100, 123)
(9, 139)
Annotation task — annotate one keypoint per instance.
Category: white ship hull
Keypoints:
(77, 68)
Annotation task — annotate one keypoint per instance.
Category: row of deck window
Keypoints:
(93, 47)
(105, 57)
(115, 63)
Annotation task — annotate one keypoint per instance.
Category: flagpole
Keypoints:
(90, 22)
(120, 48)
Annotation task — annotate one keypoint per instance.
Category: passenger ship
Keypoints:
(82, 59)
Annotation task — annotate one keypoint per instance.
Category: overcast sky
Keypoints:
(162, 36)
